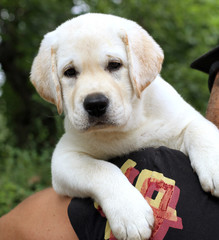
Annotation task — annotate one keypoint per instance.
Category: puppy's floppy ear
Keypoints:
(44, 75)
(144, 55)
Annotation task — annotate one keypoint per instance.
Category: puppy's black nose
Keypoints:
(96, 104)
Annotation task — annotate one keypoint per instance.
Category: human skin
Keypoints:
(41, 216)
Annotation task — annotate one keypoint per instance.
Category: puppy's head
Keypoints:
(93, 67)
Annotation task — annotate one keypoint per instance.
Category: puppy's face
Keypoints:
(95, 82)
(93, 67)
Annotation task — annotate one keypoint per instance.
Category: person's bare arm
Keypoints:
(42, 216)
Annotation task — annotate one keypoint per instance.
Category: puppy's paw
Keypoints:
(210, 181)
(129, 215)
(208, 173)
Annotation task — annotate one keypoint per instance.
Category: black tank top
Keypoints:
(182, 210)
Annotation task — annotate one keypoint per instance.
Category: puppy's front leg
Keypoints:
(202, 144)
(77, 174)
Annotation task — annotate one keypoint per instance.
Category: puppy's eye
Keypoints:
(70, 73)
(114, 66)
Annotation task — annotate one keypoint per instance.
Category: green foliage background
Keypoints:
(30, 127)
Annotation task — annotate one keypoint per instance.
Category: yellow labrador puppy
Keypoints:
(103, 72)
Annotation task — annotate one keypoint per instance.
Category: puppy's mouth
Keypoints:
(103, 122)
(99, 123)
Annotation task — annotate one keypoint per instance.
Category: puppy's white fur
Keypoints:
(143, 111)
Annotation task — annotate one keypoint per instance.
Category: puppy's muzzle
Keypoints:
(96, 104)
